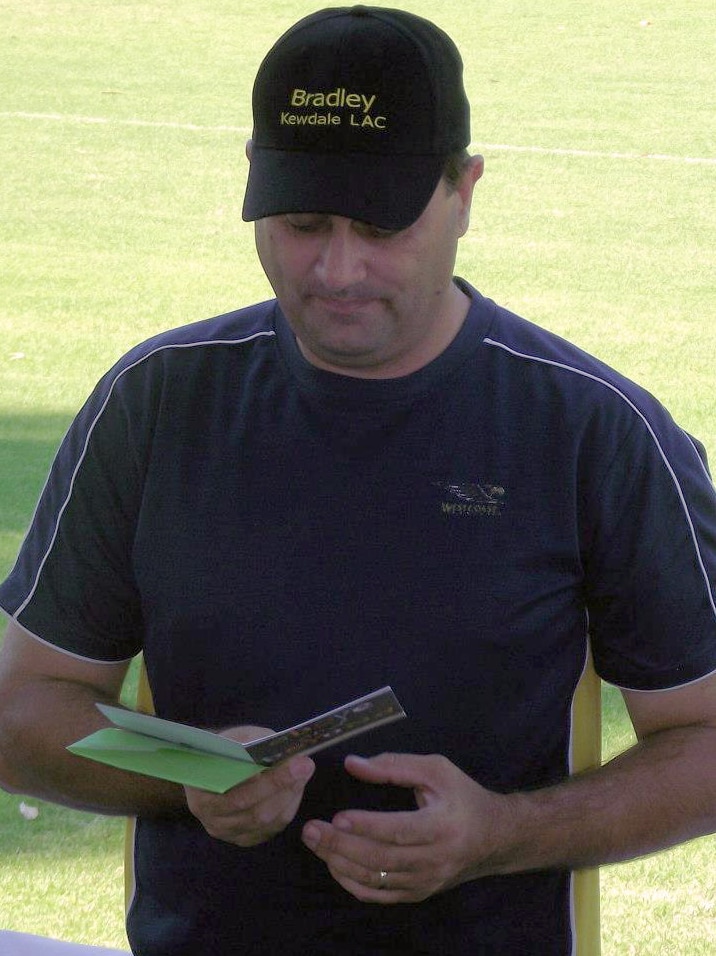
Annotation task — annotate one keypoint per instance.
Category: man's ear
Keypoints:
(465, 187)
(249, 148)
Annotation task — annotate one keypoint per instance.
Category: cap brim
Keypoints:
(387, 191)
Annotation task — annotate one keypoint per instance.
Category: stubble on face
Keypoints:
(367, 305)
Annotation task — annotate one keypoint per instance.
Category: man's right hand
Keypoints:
(256, 810)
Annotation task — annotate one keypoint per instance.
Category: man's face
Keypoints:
(363, 301)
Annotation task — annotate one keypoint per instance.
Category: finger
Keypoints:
(263, 821)
(371, 872)
(254, 825)
(409, 828)
(378, 890)
(289, 775)
(358, 857)
(256, 810)
(416, 771)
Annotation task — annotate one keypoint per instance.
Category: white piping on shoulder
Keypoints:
(90, 430)
(63, 650)
(665, 690)
(601, 381)
(699, 458)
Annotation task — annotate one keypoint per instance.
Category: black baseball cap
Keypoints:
(355, 111)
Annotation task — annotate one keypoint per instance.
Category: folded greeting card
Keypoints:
(198, 758)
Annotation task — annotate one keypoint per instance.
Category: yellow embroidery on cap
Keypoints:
(359, 106)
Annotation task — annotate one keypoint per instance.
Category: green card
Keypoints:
(177, 762)
(168, 750)
(198, 758)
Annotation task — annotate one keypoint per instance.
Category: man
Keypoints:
(379, 477)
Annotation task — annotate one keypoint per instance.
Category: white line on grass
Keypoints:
(108, 121)
(245, 131)
(593, 153)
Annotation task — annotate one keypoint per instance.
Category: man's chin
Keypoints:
(348, 358)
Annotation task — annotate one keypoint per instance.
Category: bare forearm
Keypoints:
(659, 793)
(35, 729)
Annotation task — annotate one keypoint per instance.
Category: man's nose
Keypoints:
(341, 262)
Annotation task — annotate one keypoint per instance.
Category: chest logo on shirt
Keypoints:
(476, 498)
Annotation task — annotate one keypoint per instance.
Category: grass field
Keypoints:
(122, 129)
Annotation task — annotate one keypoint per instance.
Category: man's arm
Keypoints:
(660, 792)
(47, 701)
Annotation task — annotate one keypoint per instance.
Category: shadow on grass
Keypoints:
(28, 443)
(55, 832)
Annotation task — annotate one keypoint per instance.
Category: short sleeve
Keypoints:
(72, 584)
(650, 560)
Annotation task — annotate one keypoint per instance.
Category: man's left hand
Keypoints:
(406, 857)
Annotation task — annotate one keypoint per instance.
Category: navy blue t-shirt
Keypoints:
(279, 539)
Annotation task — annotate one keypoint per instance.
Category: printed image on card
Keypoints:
(373, 710)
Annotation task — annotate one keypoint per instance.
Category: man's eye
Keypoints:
(306, 223)
(376, 232)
